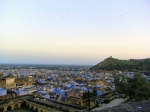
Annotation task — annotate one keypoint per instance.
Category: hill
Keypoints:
(111, 64)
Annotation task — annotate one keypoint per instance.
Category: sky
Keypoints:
(80, 32)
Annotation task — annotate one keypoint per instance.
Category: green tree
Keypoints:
(121, 84)
(137, 87)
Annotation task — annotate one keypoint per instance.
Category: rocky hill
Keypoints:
(111, 64)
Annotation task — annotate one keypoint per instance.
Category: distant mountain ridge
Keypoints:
(111, 64)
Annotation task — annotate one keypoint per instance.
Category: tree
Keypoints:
(121, 84)
(137, 87)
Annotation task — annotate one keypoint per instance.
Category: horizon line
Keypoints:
(44, 64)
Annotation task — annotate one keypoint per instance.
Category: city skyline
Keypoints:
(73, 32)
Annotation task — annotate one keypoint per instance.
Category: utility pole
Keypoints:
(88, 100)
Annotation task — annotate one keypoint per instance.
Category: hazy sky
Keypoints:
(73, 31)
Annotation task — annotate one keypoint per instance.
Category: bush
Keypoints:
(137, 87)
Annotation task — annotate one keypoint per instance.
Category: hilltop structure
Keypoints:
(111, 64)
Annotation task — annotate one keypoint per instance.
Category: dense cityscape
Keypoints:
(67, 88)
(67, 84)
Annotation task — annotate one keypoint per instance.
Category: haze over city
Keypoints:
(73, 32)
